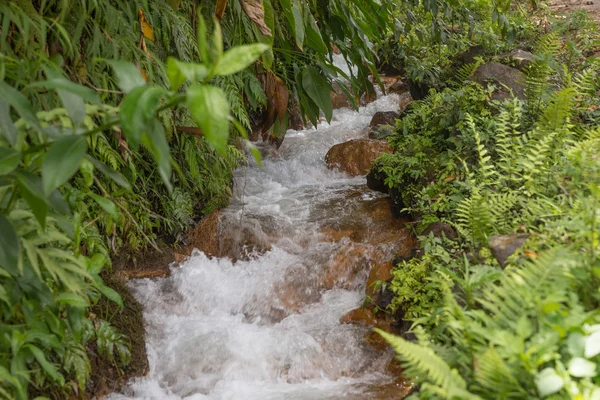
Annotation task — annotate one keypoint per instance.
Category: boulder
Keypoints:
(503, 246)
(339, 98)
(507, 79)
(399, 86)
(522, 58)
(381, 132)
(384, 118)
(376, 181)
(205, 236)
(356, 156)
(439, 229)
(468, 57)
(379, 273)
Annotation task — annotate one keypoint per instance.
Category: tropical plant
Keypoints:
(49, 272)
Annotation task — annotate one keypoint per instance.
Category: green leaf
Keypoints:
(9, 160)
(7, 127)
(30, 187)
(71, 299)
(202, 41)
(313, 36)
(128, 76)
(580, 368)
(216, 50)
(9, 246)
(107, 205)
(62, 161)
(190, 71)
(239, 58)
(20, 103)
(109, 172)
(48, 367)
(109, 293)
(156, 141)
(210, 110)
(61, 83)
(592, 344)
(176, 77)
(318, 89)
(137, 112)
(548, 382)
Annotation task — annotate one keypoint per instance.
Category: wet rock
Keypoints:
(346, 265)
(356, 156)
(503, 246)
(384, 118)
(439, 230)
(381, 132)
(205, 236)
(507, 79)
(404, 102)
(398, 205)
(376, 181)
(385, 297)
(379, 273)
(339, 98)
(399, 86)
(360, 316)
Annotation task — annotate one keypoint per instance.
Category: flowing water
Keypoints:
(266, 325)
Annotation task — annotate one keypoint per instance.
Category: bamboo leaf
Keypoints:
(62, 161)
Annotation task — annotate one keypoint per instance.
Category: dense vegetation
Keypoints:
(121, 124)
(485, 327)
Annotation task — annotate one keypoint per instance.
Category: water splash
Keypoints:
(264, 327)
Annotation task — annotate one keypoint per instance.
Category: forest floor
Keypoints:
(568, 6)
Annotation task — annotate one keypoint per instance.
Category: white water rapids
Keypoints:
(220, 330)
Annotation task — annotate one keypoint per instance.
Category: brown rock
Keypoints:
(360, 316)
(205, 236)
(398, 87)
(384, 118)
(439, 229)
(346, 264)
(339, 98)
(379, 273)
(507, 79)
(503, 246)
(356, 156)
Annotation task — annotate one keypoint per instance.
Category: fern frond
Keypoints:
(447, 382)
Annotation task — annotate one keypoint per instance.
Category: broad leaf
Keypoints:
(156, 141)
(20, 103)
(109, 293)
(210, 110)
(48, 367)
(318, 89)
(179, 71)
(137, 112)
(128, 76)
(239, 58)
(61, 83)
(7, 127)
(9, 160)
(9, 246)
(107, 205)
(71, 299)
(548, 382)
(62, 161)
(109, 173)
(30, 187)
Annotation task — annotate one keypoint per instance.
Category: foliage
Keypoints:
(53, 201)
(486, 168)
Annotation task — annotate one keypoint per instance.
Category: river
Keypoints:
(267, 326)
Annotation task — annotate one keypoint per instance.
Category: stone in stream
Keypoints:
(356, 156)
(381, 132)
(507, 79)
(504, 246)
(384, 118)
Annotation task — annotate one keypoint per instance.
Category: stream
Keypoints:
(266, 325)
